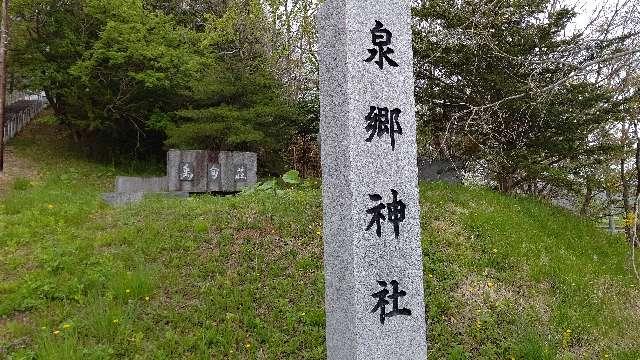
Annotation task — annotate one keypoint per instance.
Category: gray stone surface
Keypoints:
(122, 198)
(144, 184)
(173, 194)
(214, 173)
(356, 259)
(441, 170)
(239, 170)
(206, 171)
(187, 170)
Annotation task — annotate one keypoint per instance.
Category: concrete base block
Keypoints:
(128, 184)
(170, 194)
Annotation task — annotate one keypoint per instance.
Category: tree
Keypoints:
(619, 20)
(139, 75)
(3, 75)
(238, 104)
(190, 14)
(141, 65)
(499, 81)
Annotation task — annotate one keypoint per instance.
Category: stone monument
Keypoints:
(200, 171)
(372, 254)
(187, 170)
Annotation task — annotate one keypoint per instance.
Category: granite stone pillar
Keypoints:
(372, 252)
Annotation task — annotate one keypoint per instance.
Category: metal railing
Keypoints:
(21, 108)
(16, 96)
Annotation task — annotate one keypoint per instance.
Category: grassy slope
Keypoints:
(241, 277)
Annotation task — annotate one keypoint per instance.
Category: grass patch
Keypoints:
(241, 277)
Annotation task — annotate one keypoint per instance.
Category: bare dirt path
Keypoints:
(15, 168)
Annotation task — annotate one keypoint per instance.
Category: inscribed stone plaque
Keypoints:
(215, 176)
(373, 258)
(143, 184)
(187, 170)
(239, 170)
(199, 171)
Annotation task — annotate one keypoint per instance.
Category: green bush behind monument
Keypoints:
(132, 78)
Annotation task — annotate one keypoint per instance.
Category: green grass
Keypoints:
(241, 277)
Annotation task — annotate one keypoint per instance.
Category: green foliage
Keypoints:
(238, 104)
(105, 67)
(494, 84)
(292, 177)
(289, 180)
(134, 79)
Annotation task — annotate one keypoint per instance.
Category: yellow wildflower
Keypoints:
(247, 345)
(56, 332)
(50, 206)
(146, 298)
(630, 219)
(66, 326)
(127, 291)
(115, 321)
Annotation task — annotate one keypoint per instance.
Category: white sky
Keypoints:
(588, 9)
(585, 10)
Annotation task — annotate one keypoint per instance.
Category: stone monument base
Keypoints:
(190, 171)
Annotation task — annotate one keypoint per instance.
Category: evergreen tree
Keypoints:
(494, 82)
(136, 76)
